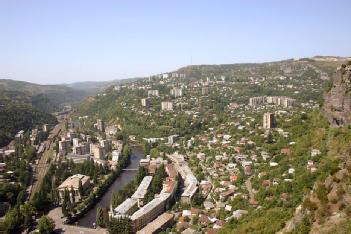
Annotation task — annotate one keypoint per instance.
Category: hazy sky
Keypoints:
(71, 40)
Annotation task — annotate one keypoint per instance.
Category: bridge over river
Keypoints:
(126, 176)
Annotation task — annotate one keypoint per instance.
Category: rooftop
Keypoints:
(150, 206)
(73, 181)
(125, 206)
(142, 189)
(190, 190)
(156, 224)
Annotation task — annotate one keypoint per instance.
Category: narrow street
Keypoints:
(56, 215)
(250, 189)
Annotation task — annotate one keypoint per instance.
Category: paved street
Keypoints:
(56, 215)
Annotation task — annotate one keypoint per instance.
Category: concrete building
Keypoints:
(272, 100)
(45, 127)
(204, 90)
(126, 208)
(78, 158)
(160, 223)
(64, 146)
(142, 190)
(73, 182)
(149, 212)
(176, 92)
(167, 106)
(19, 137)
(75, 142)
(145, 102)
(81, 149)
(268, 120)
(172, 139)
(188, 193)
(100, 125)
(153, 92)
(187, 175)
(115, 155)
(144, 162)
(106, 144)
(97, 151)
(111, 130)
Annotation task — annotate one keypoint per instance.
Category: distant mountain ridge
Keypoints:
(47, 98)
(96, 86)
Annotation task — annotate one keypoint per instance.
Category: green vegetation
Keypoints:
(46, 225)
(309, 132)
(119, 196)
(47, 98)
(119, 226)
(16, 117)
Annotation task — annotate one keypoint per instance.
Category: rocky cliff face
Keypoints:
(337, 104)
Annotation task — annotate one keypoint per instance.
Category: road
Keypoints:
(56, 215)
(249, 188)
(43, 164)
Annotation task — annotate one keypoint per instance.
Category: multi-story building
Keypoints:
(268, 120)
(73, 182)
(75, 142)
(82, 149)
(142, 190)
(167, 106)
(153, 92)
(160, 223)
(106, 144)
(187, 175)
(19, 136)
(64, 146)
(145, 102)
(257, 101)
(111, 130)
(97, 151)
(150, 211)
(176, 92)
(273, 100)
(126, 208)
(204, 90)
(45, 127)
(100, 125)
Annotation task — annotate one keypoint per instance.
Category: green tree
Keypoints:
(101, 217)
(66, 204)
(154, 153)
(119, 226)
(21, 197)
(27, 210)
(13, 221)
(73, 196)
(80, 188)
(46, 225)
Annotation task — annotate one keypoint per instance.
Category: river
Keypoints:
(124, 178)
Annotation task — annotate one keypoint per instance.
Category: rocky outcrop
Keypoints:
(337, 104)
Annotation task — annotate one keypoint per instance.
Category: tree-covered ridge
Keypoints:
(47, 98)
(16, 117)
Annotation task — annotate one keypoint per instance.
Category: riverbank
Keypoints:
(123, 179)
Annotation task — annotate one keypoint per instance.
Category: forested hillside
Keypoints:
(47, 98)
(16, 117)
